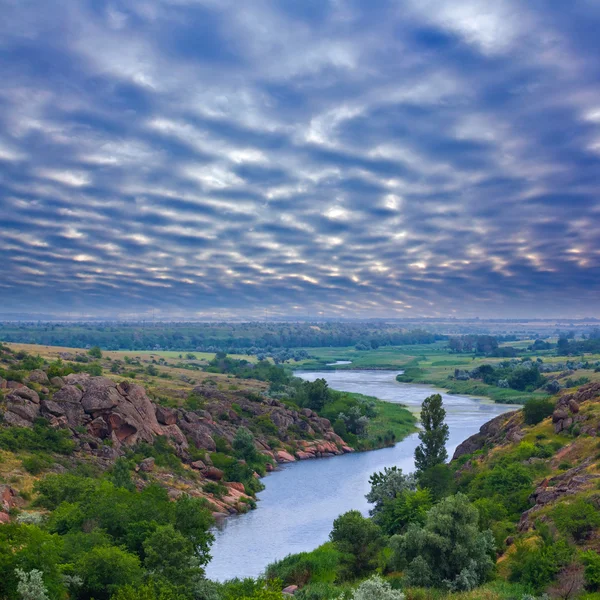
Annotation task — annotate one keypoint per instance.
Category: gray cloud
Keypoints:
(199, 157)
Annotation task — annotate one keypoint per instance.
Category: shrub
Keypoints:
(578, 518)
(36, 464)
(318, 566)
(95, 352)
(591, 560)
(537, 566)
(536, 410)
(40, 437)
(376, 588)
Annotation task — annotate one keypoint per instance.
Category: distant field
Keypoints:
(389, 357)
(55, 351)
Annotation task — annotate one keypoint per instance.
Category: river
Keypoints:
(301, 500)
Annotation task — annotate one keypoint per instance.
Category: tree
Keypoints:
(359, 539)
(106, 568)
(386, 485)
(432, 450)
(95, 352)
(406, 508)
(448, 551)
(170, 556)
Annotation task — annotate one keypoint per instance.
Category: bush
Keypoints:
(591, 560)
(318, 566)
(36, 464)
(578, 518)
(40, 437)
(536, 410)
(376, 588)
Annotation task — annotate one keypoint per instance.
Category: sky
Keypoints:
(356, 158)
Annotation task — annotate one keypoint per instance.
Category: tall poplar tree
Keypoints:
(434, 435)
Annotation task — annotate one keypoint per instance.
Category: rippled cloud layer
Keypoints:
(340, 157)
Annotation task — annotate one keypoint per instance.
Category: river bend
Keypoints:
(300, 501)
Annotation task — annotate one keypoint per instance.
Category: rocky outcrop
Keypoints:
(504, 427)
(552, 489)
(566, 413)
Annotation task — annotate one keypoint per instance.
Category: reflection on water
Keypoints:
(296, 510)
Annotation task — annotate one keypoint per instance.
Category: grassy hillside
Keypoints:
(531, 479)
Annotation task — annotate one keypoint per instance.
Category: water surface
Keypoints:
(297, 508)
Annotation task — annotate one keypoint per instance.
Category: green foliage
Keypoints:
(537, 566)
(318, 566)
(95, 352)
(155, 590)
(409, 506)
(36, 463)
(508, 483)
(359, 540)
(40, 437)
(536, 410)
(577, 519)
(121, 475)
(106, 568)
(591, 560)
(386, 485)
(171, 539)
(434, 435)
(438, 480)
(448, 551)
(243, 445)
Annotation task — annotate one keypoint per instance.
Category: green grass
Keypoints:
(386, 357)
(390, 417)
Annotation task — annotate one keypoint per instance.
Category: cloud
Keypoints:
(351, 159)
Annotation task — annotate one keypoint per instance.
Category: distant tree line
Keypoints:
(265, 338)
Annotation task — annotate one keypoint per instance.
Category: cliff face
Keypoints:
(105, 419)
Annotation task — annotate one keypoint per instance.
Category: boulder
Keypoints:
(283, 457)
(14, 385)
(100, 395)
(4, 518)
(68, 393)
(147, 464)
(200, 434)
(49, 407)
(77, 378)
(213, 473)
(20, 411)
(39, 376)
(7, 497)
(3, 383)
(290, 590)
(198, 464)
(57, 382)
(236, 485)
(68, 398)
(99, 428)
(165, 415)
(26, 394)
